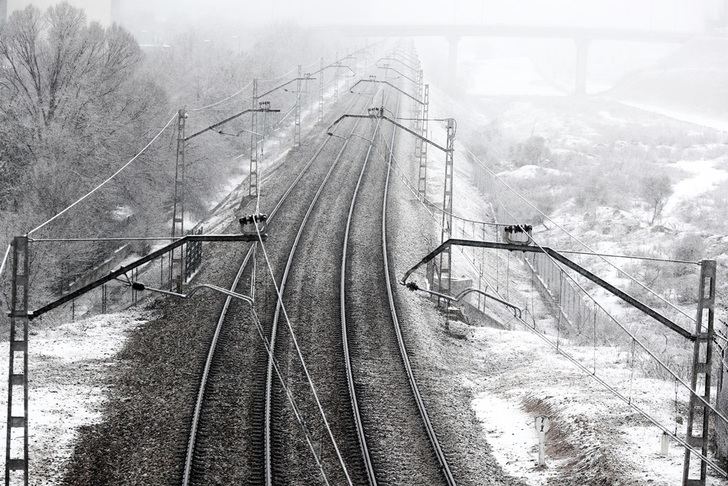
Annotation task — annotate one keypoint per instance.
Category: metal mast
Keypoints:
(321, 93)
(422, 176)
(297, 129)
(176, 270)
(444, 269)
(18, 375)
(697, 434)
(253, 189)
(417, 110)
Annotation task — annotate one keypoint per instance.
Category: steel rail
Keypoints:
(199, 404)
(274, 330)
(192, 440)
(358, 422)
(439, 453)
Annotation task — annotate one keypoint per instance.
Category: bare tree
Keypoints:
(655, 190)
(533, 151)
(70, 103)
(56, 65)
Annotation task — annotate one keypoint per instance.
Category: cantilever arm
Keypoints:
(329, 131)
(123, 270)
(140, 287)
(388, 84)
(407, 57)
(227, 120)
(387, 66)
(564, 261)
(399, 61)
(272, 90)
(333, 65)
(517, 312)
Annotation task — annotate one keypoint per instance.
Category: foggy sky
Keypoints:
(650, 14)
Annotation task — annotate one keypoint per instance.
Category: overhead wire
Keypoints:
(427, 207)
(623, 398)
(289, 395)
(635, 339)
(107, 180)
(564, 230)
(238, 92)
(220, 102)
(300, 356)
(287, 73)
(5, 259)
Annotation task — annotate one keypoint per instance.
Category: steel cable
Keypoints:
(623, 272)
(300, 357)
(228, 98)
(5, 259)
(289, 396)
(630, 334)
(112, 176)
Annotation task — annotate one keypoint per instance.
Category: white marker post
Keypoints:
(542, 426)
(665, 445)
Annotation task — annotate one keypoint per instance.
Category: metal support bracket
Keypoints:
(121, 271)
(564, 261)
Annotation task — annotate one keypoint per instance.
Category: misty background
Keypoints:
(650, 14)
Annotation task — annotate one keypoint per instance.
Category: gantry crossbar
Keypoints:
(146, 259)
(564, 261)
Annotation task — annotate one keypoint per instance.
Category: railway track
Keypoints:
(230, 386)
(395, 435)
(239, 396)
(312, 302)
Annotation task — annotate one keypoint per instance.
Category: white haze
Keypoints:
(651, 14)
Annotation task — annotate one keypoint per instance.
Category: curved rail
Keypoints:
(276, 316)
(199, 403)
(369, 466)
(439, 453)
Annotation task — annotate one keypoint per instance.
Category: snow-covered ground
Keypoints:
(536, 380)
(70, 362)
(517, 376)
(69, 367)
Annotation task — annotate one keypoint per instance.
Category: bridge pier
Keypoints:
(582, 65)
(452, 60)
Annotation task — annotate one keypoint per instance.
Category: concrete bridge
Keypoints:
(582, 37)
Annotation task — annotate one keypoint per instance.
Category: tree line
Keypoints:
(78, 99)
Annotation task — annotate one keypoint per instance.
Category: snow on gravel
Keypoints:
(511, 434)
(69, 366)
(515, 376)
(521, 369)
